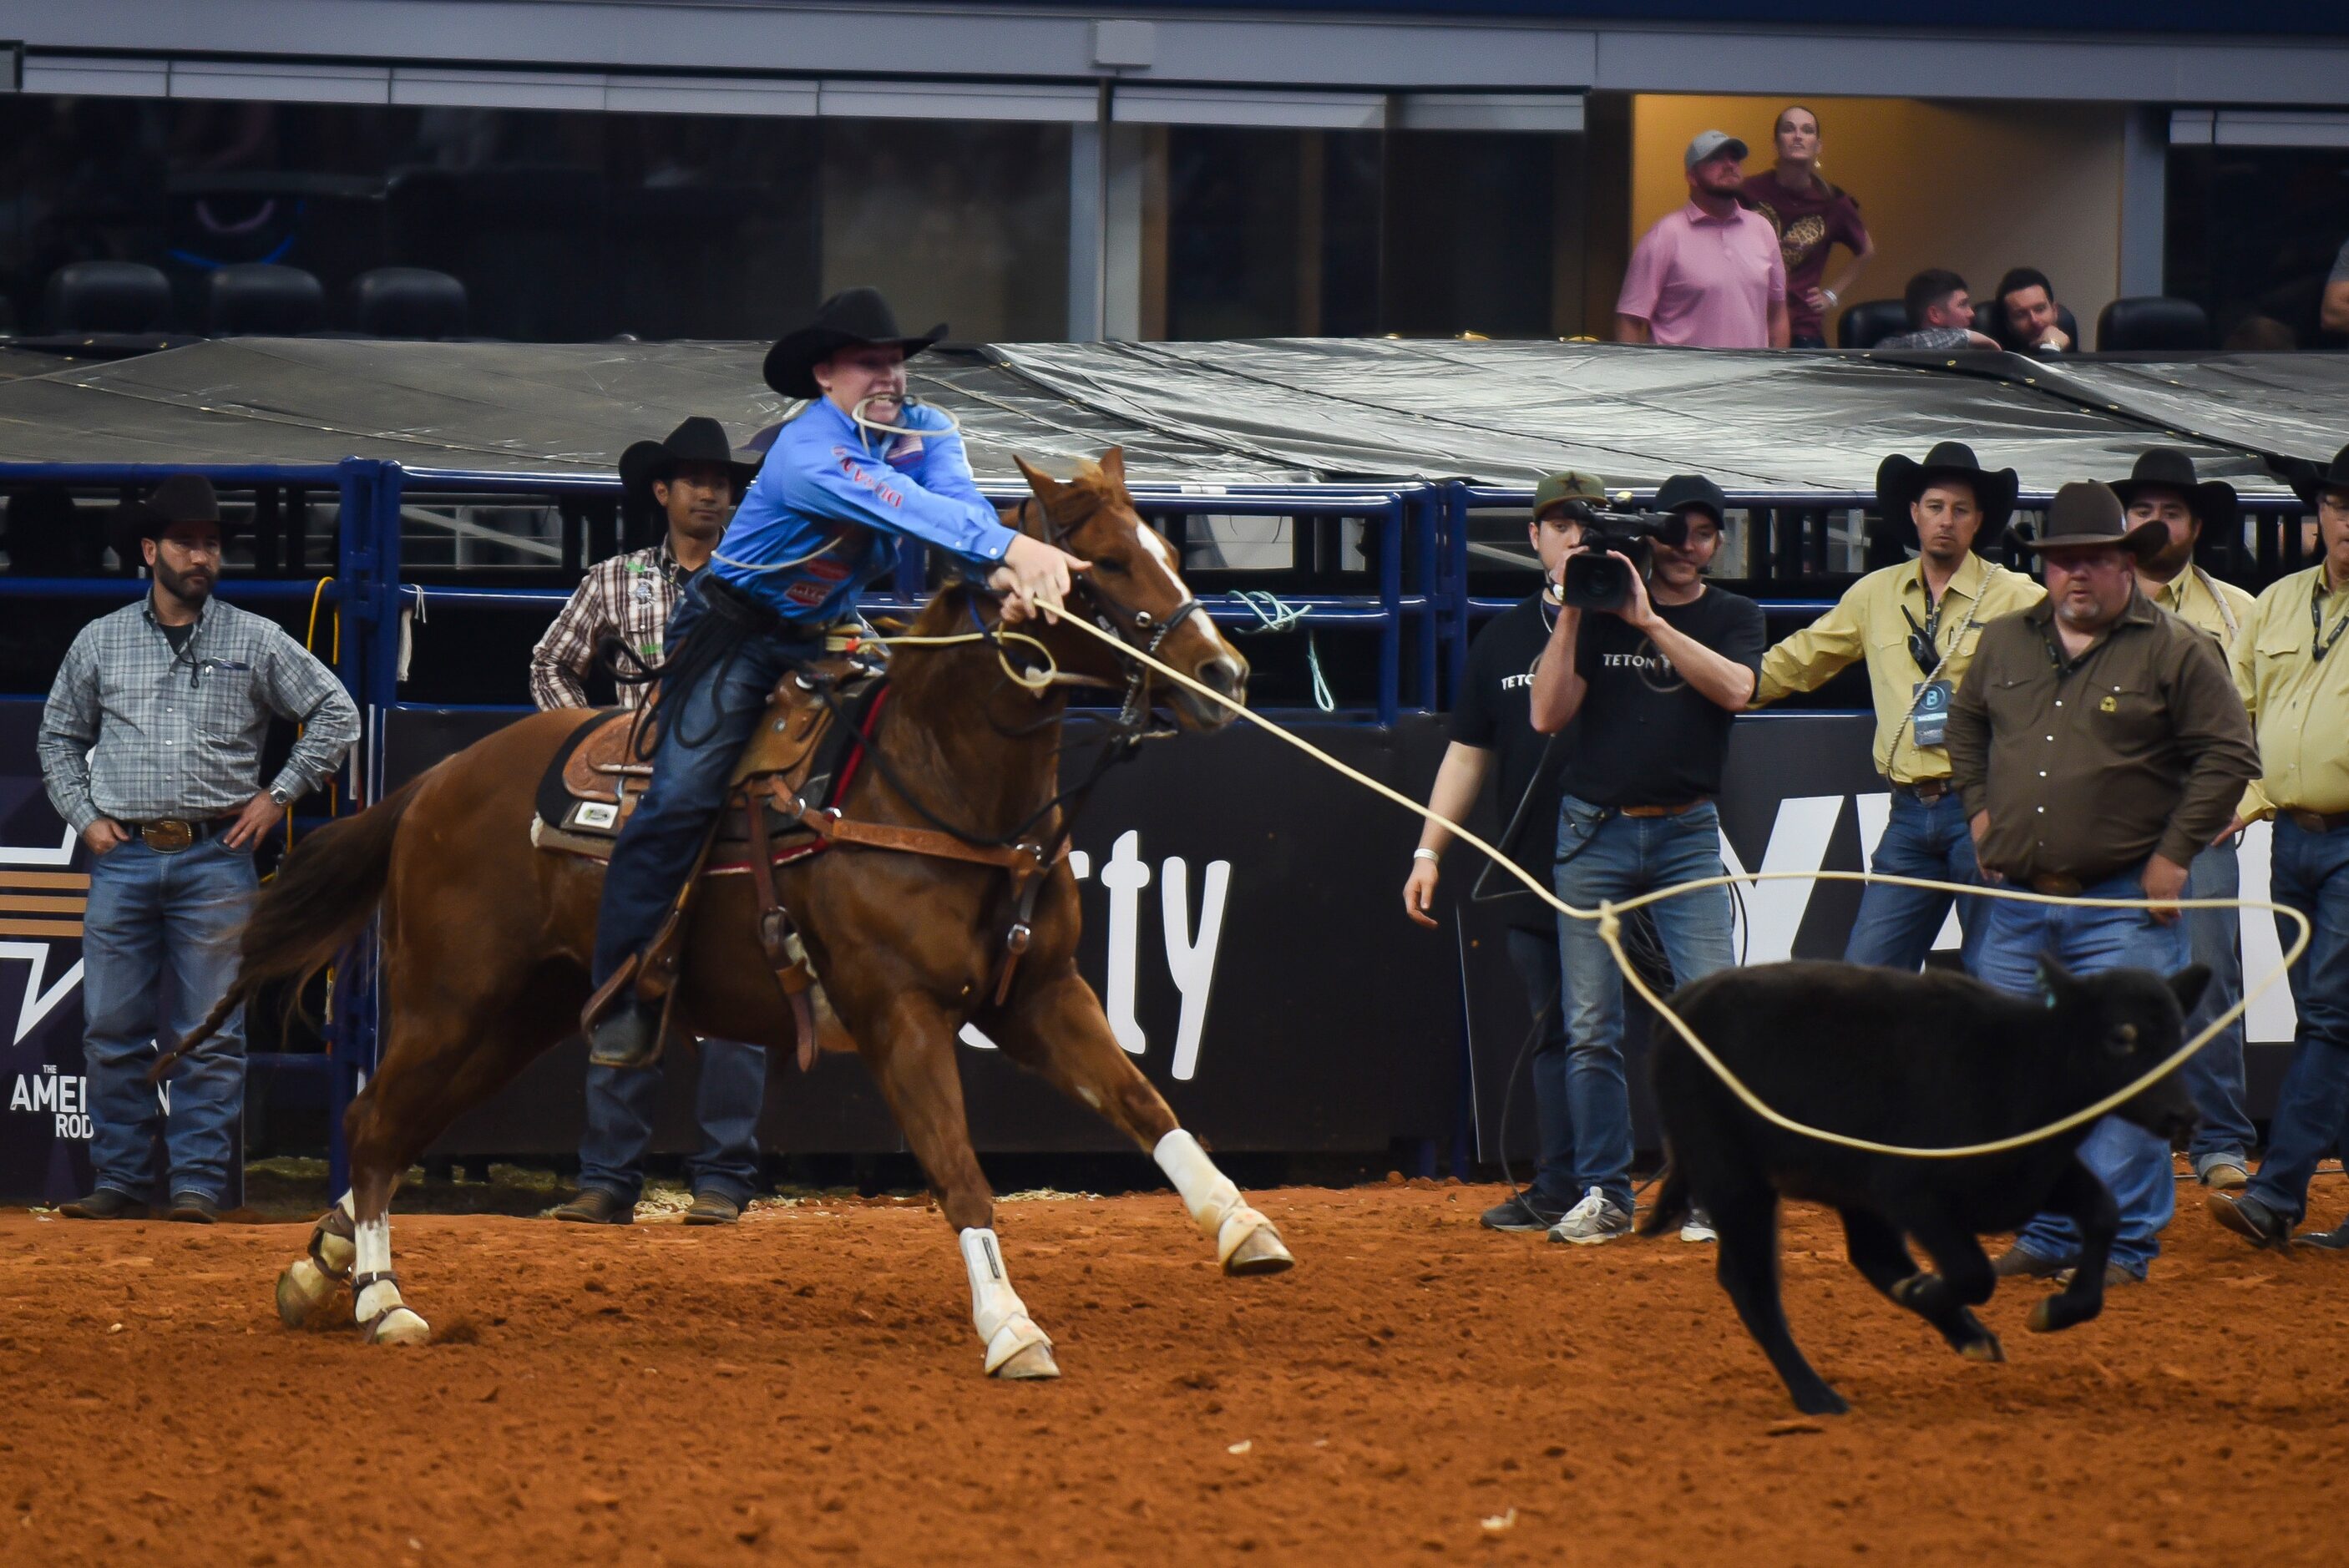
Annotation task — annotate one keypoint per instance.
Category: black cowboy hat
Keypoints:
(2085, 515)
(2212, 501)
(1900, 479)
(2310, 481)
(182, 498)
(850, 316)
(700, 439)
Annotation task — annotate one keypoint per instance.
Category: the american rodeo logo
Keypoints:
(42, 902)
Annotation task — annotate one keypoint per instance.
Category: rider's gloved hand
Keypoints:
(1033, 574)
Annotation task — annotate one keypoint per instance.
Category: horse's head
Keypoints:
(1135, 587)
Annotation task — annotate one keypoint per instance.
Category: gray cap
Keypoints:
(1709, 143)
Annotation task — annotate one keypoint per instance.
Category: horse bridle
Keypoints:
(1137, 628)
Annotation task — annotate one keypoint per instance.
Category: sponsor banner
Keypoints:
(44, 1114)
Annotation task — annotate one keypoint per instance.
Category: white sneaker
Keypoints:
(1591, 1222)
(1698, 1227)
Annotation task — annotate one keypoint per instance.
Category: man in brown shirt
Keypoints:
(2099, 744)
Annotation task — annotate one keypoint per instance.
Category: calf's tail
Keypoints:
(1671, 1205)
(322, 897)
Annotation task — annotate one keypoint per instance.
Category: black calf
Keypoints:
(1932, 1061)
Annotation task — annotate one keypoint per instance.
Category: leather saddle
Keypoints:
(591, 788)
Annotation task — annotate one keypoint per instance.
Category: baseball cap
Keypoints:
(1568, 486)
(1709, 143)
(1692, 489)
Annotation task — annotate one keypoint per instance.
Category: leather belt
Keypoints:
(1682, 809)
(1926, 792)
(2061, 887)
(2316, 821)
(170, 835)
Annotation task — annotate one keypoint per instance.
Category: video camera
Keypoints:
(1596, 580)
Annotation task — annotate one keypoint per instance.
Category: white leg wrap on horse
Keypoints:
(996, 1309)
(1215, 1205)
(377, 1306)
(336, 1253)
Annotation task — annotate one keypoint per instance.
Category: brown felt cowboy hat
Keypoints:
(2308, 481)
(851, 316)
(2085, 515)
(700, 439)
(1900, 479)
(2212, 501)
(182, 498)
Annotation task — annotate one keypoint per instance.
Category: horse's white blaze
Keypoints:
(1160, 546)
(996, 1309)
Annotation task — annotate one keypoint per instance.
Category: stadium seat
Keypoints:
(1868, 322)
(107, 296)
(408, 302)
(2152, 321)
(258, 299)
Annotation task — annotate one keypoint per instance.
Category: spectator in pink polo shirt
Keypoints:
(1709, 275)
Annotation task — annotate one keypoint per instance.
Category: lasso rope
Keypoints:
(1609, 914)
(1274, 614)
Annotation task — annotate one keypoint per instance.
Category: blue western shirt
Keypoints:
(824, 516)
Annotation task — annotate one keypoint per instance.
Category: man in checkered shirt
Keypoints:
(150, 747)
(693, 480)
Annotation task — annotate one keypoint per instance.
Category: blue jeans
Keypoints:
(2132, 1163)
(151, 915)
(701, 739)
(1535, 954)
(2213, 1075)
(1602, 855)
(1896, 925)
(621, 1102)
(2310, 872)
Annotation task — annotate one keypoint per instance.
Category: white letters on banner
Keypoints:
(1773, 911)
(1190, 963)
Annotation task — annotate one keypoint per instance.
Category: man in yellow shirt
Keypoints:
(1915, 624)
(2162, 489)
(2295, 677)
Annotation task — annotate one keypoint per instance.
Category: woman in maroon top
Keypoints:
(1810, 216)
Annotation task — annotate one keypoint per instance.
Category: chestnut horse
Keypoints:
(486, 939)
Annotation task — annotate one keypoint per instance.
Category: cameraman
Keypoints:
(1651, 683)
(1492, 720)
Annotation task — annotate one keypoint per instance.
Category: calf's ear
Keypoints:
(2186, 986)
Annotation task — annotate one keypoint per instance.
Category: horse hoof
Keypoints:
(2042, 1317)
(399, 1326)
(1028, 1362)
(1986, 1349)
(1260, 1252)
(301, 1290)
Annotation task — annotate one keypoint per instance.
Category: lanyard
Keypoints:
(2321, 645)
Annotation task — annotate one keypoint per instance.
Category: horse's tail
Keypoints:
(324, 895)
(1671, 1205)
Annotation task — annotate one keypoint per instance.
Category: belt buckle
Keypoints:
(167, 837)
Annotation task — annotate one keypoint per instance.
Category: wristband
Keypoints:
(1833, 298)
(1424, 853)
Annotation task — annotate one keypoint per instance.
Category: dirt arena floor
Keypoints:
(806, 1388)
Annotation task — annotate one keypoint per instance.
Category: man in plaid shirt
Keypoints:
(693, 479)
(150, 747)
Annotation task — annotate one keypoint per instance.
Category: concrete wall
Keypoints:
(1975, 189)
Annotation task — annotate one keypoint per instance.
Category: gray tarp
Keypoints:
(1253, 412)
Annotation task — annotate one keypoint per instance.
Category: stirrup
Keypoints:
(628, 1036)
